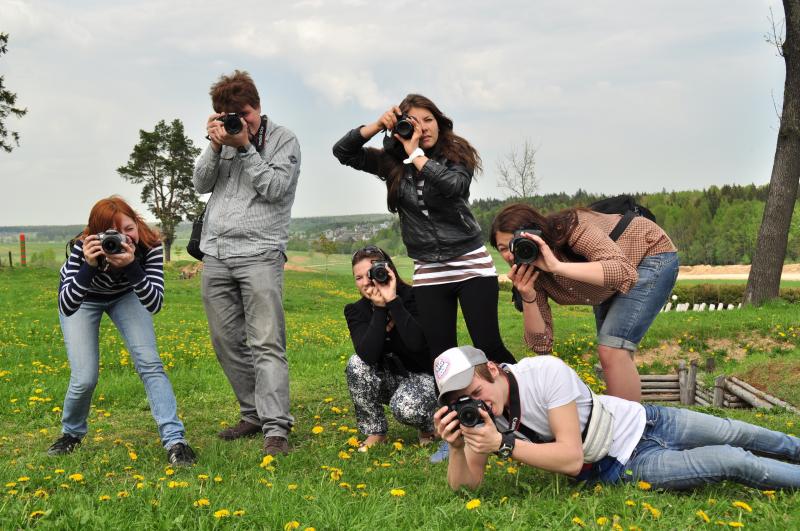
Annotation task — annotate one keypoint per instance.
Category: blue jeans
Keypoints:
(682, 449)
(81, 336)
(623, 319)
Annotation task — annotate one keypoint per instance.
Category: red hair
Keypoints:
(104, 214)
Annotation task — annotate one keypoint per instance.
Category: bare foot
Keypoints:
(372, 440)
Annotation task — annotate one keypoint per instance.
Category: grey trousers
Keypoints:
(243, 298)
(412, 398)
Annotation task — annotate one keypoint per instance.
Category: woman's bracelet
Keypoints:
(527, 301)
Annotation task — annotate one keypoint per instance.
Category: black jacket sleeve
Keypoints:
(367, 330)
(350, 151)
(404, 312)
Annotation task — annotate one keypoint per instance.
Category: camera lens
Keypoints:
(525, 251)
(379, 273)
(469, 416)
(404, 128)
(111, 243)
(232, 123)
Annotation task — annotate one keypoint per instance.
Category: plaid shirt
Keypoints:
(619, 261)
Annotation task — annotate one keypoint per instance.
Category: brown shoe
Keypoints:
(274, 445)
(243, 429)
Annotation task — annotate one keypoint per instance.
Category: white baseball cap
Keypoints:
(454, 368)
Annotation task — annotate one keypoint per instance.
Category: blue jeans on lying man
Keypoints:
(682, 449)
(81, 336)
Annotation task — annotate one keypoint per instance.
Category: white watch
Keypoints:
(414, 154)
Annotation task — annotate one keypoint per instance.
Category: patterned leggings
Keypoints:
(412, 398)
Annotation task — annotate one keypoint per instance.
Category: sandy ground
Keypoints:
(790, 272)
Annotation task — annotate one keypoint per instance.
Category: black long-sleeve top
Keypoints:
(405, 342)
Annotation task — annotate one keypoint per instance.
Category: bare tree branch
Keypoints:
(517, 171)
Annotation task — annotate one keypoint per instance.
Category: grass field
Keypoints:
(118, 478)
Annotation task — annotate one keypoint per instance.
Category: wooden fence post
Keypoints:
(682, 386)
(719, 391)
(691, 383)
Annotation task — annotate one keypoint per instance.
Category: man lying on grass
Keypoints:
(540, 413)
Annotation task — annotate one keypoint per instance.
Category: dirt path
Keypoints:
(790, 272)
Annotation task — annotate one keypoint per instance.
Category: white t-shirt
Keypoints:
(546, 382)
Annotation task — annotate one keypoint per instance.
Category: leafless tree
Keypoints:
(517, 170)
(764, 280)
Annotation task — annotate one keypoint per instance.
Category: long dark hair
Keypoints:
(373, 252)
(449, 145)
(556, 228)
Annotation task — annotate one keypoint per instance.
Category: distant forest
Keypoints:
(716, 226)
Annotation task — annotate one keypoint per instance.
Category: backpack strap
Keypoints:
(622, 224)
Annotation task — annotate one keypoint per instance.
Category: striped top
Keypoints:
(477, 263)
(249, 210)
(80, 281)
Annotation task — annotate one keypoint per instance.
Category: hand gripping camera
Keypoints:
(525, 251)
(379, 272)
(231, 122)
(111, 241)
(468, 411)
(404, 129)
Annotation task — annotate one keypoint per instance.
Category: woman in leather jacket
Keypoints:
(428, 169)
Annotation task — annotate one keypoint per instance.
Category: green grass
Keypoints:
(316, 485)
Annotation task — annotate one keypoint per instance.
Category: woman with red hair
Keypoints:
(116, 267)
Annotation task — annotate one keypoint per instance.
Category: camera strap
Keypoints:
(515, 410)
(261, 135)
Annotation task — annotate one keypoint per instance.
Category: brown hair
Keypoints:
(373, 252)
(449, 145)
(556, 228)
(231, 93)
(104, 213)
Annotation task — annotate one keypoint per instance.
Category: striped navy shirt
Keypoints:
(80, 281)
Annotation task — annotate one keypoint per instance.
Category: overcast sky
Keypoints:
(618, 96)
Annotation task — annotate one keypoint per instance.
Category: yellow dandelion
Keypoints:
(336, 474)
(603, 520)
(316, 430)
(202, 502)
(59, 470)
(743, 505)
(397, 492)
(511, 470)
(217, 479)
(361, 486)
(268, 459)
(335, 409)
(138, 477)
(132, 455)
(630, 503)
(169, 471)
(344, 485)
(202, 477)
(239, 512)
(644, 485)
(23, 479)
(292, 486)
(473, 504)
(36, 514)
(353, 441)
(40, 493)
(577, 521)
(344, 455)
(327, 400)
(123, 494)
(11, 484)
(140, 485)
(768, 493)
(104, 498)
(294, 524)
(653, 511)
(703, 516)
(222, 513)
(735, 524)
(76, 477)
(397, 445)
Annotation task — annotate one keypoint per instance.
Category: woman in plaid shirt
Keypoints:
(627, 281)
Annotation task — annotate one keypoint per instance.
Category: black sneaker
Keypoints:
(181, 454)
(64, 445)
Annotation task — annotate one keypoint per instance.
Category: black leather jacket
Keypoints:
(449, 230)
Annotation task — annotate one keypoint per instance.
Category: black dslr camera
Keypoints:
(111, 241)
(379, 272)
(525, 251)
(232, 122)
(468, 410)
(403, 128)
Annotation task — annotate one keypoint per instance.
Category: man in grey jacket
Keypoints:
(252, 165)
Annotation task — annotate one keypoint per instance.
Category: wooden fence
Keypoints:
(683, 387)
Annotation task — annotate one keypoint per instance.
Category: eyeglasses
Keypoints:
(368, 250)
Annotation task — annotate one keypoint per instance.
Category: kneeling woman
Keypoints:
(626, 280)
(125, 279)
(597, 438)
(392, 364)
